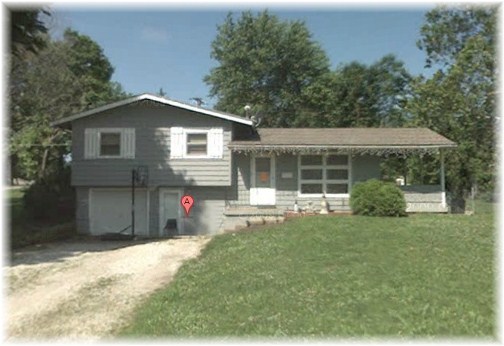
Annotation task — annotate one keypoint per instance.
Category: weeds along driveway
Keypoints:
(84, 290)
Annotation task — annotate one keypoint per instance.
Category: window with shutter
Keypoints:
(128, 143)
(91, 143)
(109, 143)
(176, 142)
(216, 146)
(196, 143)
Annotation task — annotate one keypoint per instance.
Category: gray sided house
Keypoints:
(233, 170)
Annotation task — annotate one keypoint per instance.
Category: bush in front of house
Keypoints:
(51, 198)
(377, 198)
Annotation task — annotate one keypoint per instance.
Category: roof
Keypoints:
(344, 138)
(162, 100)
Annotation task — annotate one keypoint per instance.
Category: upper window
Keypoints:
(192, 143)
(323, 174)
(105, 143)
(197, 144)
(110, 144)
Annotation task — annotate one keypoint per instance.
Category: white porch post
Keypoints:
(443, 191)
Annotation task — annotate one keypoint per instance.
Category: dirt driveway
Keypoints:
(84, 290)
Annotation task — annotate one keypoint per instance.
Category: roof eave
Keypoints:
(151, 98)
(330, 146)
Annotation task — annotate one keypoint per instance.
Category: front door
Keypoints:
(169, 212)
(262, 184)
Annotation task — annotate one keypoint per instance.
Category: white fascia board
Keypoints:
(329, 146)
(156, 99)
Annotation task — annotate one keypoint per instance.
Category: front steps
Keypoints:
(242, 217)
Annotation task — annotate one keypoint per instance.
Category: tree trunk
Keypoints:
(44, 163)
(11, 168)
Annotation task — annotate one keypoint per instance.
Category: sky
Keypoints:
(169, 48)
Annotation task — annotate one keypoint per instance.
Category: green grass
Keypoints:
(15, 202)
(419, 276)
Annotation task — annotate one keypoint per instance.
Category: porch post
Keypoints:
(443, 191)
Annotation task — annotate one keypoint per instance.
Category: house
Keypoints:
(232, 169)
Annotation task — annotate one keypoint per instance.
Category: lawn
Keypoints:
(348, 276)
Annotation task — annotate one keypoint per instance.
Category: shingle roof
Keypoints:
(345, 137)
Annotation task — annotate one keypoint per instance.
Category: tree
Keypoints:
(447, 30)
(87, 62)
(358, 95)
(62, 79)
(265, 63)
(459, 101)
(49, 92)
(27, 31)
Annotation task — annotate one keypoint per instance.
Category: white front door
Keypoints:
(170, 221)
(262, 180)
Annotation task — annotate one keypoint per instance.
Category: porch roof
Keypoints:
(357, 140)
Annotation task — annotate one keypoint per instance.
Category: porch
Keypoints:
(419, 199)
(283, 167)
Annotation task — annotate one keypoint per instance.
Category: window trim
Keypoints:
(324, 181)
(114, 131)
(188, 132)
(100, 133)
(178, 143)
(93, 138)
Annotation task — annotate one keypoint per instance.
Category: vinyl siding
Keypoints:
(152, 131)
(207, 214)
(363, 168)
(206, 217)
(241, 170)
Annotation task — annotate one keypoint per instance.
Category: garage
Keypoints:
(110, 211)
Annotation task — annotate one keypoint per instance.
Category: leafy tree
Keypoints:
(27, 31)
(447, 30)
(49, 91)
(48, 86)
(266, 63)
(459, 101)
(87, 62)
(356, 95)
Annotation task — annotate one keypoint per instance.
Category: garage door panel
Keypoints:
(110, 211)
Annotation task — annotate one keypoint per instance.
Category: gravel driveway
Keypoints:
(84, 290)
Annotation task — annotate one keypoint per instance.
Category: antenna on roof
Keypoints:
(256, 118)
(199, 101)
(247, 111)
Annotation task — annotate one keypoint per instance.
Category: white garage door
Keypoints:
(110, 211)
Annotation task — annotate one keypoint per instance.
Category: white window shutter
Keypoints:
(216, 143)
(91, 143)
(176, 142)
(128, 143)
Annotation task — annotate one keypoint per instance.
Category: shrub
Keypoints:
(377, 198)
(51, 198)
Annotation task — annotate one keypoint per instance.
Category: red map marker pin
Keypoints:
(187, 202)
